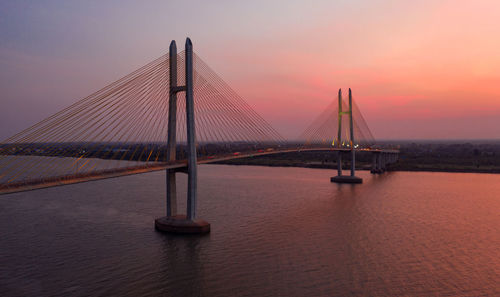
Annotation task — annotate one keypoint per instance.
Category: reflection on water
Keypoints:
(275, 232)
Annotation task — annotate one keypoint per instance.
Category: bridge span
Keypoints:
(171, 116)
(181, 166)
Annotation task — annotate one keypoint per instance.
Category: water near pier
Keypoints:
(275, 232)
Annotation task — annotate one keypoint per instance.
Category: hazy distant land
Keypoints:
(424, 155)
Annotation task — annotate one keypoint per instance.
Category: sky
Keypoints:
(417, 69)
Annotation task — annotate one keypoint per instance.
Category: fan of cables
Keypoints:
(123, 128)
(325, 130)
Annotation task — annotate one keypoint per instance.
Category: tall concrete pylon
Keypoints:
(172, 130)
(352, 143)
(339, 136)
(174, 222)
(350, 179)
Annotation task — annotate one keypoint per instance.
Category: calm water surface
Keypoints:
(275, 232)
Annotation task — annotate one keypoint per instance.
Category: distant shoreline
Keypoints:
(363, 168)
(437, 156)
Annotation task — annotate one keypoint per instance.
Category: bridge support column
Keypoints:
(384, 162)
(339, 163)
(380, 163)
(374, 163)
(172, 222)
(350, 179)
(351, 126)
(172, 131)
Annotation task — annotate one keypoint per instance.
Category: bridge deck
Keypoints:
(180, 165)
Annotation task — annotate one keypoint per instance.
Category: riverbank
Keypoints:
(414, 156)
(391, 167)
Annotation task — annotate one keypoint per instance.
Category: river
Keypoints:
(275, 232)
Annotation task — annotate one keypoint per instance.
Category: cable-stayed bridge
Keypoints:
(171, 114)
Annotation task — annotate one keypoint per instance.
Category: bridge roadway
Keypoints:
(181, 166)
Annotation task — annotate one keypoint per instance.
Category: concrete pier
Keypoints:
(174, 222)
(377, 163)
(380, 161)
(182, 225)
(346, 179)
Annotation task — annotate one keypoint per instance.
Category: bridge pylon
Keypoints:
(350, 179)
(173, 222)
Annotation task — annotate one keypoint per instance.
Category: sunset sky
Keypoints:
(418, 69)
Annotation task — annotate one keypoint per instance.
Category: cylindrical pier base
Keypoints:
(346, 179)
(181, 225)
